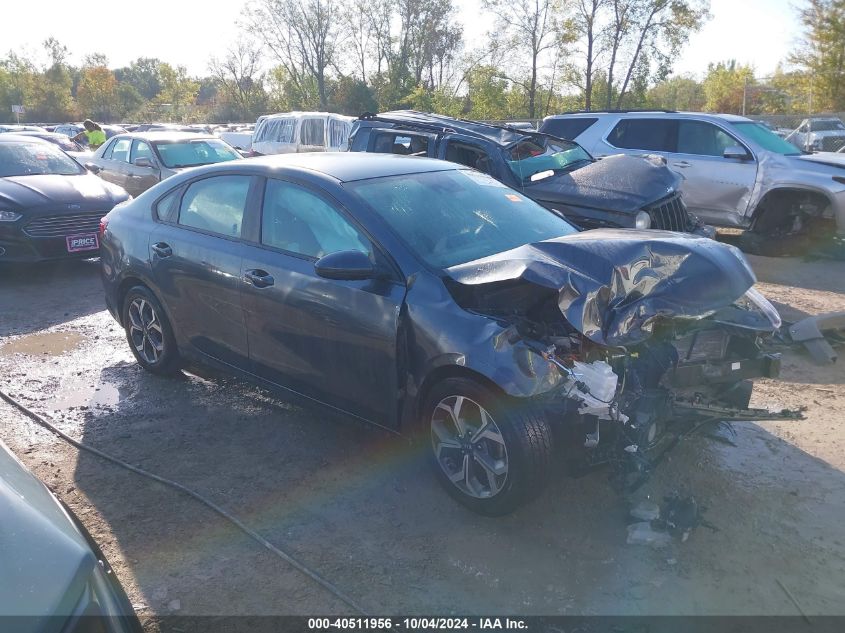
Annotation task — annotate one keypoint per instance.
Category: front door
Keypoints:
(141, 178)
(715, 188)
(114, 165)
(330, 340)
(196, 262)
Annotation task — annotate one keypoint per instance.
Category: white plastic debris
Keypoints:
(600, 381)
(646, 511)
(643, 534)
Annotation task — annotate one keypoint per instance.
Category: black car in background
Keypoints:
(50, 206)
(618, 191)
(423, 296)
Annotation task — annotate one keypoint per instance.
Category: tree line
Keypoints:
(351, 56)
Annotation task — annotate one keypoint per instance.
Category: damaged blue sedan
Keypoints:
(433, 300)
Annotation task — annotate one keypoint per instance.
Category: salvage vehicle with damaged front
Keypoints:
(622, 191)
(432, 300)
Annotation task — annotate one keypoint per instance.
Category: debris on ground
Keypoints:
(642, 533)
(646, 511)
(817, 333)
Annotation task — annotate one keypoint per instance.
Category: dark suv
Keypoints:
(619, 191)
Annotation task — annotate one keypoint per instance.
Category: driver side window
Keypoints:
(298, 221)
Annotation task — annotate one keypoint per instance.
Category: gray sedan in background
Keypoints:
(138, 161)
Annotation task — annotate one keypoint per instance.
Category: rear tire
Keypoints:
(490, 454)
(148, 332)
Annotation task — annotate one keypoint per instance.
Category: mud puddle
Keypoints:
(81, 393)
(43, 343)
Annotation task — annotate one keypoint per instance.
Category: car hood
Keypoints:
(612, 285)
(830, 159)
(86, 190)
(46, 561)
(616, 183)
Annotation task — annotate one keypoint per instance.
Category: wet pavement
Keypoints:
(362, 508)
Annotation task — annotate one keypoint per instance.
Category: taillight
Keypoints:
(104, 223)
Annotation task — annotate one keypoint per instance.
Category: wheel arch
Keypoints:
(438, 375)
(129, 282)
(765, 206)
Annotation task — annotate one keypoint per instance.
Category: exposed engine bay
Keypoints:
(652, 338)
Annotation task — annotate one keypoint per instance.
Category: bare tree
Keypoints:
(301, 35)
(531, 27)
(587, 15)
(240, 77)
(616, 32)
(659, 27)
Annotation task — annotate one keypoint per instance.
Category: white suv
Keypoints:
(737, 173)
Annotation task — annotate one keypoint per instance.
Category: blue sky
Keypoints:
(759, 32)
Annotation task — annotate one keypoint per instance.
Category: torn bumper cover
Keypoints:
(656, 329)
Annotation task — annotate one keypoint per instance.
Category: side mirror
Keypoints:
(736, 152)
(143, 161)
(94, 169)
(345, 265)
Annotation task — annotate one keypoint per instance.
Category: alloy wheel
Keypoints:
(145, 330)
(469, 447)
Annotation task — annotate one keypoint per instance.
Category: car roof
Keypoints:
(165, 135)
(38, 134)
(341, 166)
(13, 137)
(494, 133)
(655, 114)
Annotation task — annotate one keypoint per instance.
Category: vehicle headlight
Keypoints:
(756, 299)
(642, 221)
(9, 216)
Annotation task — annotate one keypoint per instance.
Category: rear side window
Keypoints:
(406, 144)
(215, 204)
(167, 209)
(275, 130)
(313, 132)
(299, 221)
(648, 134)
(569, 128)
(338, 133)
(703, 139)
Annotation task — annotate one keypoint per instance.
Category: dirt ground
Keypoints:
(362, 508)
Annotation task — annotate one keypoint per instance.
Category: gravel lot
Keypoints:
(362, 508)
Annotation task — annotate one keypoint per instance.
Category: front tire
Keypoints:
(490, 454)
(149, 333)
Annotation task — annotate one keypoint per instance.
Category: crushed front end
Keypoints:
(653, 336)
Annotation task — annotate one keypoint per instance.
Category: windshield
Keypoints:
(457, 216)
(827, 125)
(530, 157)
(64, 142)
(191, 153)
(35, 159)
(765, 138)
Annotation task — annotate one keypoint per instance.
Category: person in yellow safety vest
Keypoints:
(93, 134)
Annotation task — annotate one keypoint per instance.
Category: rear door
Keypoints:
(715, 188)
(139, 179)
(196, 253)
(333, 341)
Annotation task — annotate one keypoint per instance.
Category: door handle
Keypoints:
(683, 164)
(259, 278)
(162, 249)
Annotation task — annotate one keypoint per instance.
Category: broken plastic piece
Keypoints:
(809, 332)
(646, 511)
(643, 534)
